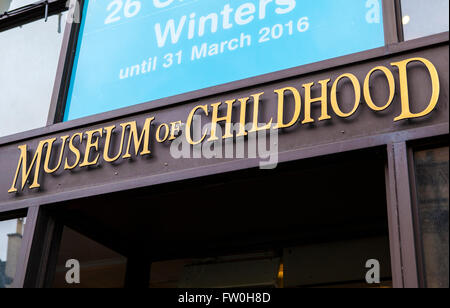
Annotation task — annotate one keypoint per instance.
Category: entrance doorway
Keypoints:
(309, 223)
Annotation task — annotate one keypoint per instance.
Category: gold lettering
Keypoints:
(75, 151)
(26, 171)
(298, 105)
(323, 99)
(90, 144)
(189, 124)
(29, 170)
(255, 128)
(49, 153)
(175, 128)
(356, 87)
(403, 74)
(145, 137)
(158, 133)
(242, 132)
(391, 82)
(243, 114)
(109, 133)
(216, 119)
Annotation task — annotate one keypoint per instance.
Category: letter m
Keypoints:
(198, 54)
(26, 170)
(142, 140)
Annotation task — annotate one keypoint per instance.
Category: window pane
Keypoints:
(432, 194)
(337, 264)
(11, 232)
(4, 6)
(99, 266)
(28, 59)
(258, 269)
(422, 18)
(9, 5)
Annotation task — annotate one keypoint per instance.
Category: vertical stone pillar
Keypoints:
(14, 244)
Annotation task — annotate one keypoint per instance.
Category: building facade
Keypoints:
(260, 144)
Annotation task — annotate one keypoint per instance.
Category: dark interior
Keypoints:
(314, 200)
(339, 197)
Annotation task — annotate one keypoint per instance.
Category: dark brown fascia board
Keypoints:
(382, 52)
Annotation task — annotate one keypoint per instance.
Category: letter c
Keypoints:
(189, 124)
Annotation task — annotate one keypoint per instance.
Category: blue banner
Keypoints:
(132, 52)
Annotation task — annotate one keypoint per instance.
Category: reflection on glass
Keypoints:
(307, 266)
(28, 60)
(100, 267)
(337, 264)
(233, 271)
(432, 193)
(167, 274)
(11, 232)
(422, 18)
(4, 6)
